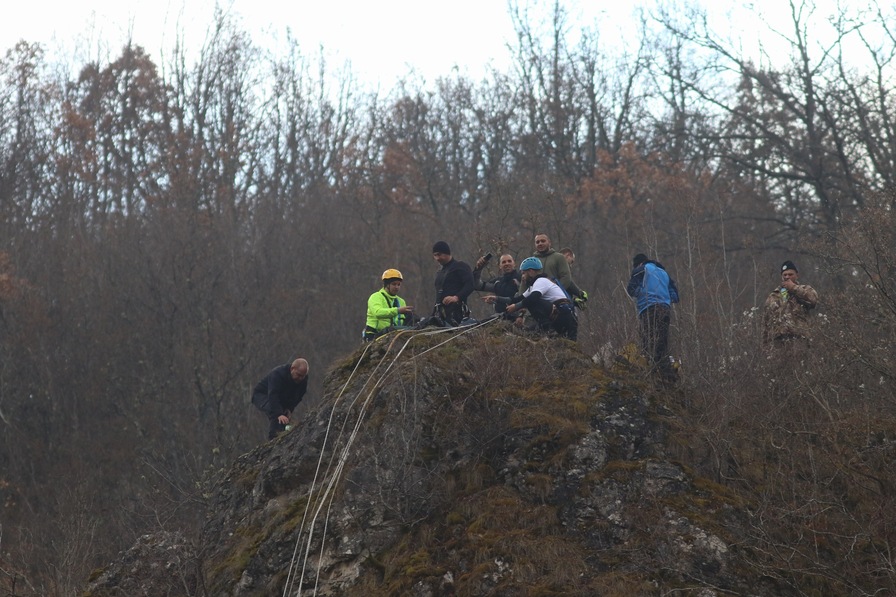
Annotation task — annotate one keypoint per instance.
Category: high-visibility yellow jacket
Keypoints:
(382, 311)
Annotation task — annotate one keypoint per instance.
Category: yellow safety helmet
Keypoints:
(392, 274)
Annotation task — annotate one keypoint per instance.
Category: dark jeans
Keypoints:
(655, 321)
(261, 403)
(275, 428)
(560, 319)
(565, 324)
(454, 313)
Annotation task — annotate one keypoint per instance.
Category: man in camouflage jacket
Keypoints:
(785, 319)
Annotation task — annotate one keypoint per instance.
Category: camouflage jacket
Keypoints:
(787, 313)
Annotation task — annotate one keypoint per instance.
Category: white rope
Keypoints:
(317, 469)
(469, 329)
(333, 474)
(290, 579)
(346, 450)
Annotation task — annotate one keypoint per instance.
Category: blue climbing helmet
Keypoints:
(531, 263)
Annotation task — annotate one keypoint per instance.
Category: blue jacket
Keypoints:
(651, 285)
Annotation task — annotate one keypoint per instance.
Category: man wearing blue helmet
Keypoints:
(547, 302)
(556, 267)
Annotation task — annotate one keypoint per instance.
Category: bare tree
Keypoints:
(786, 125)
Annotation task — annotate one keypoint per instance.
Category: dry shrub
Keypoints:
(809, 437)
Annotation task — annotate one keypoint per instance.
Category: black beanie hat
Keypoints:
(789, 265)
(639, 259)
(441, 247)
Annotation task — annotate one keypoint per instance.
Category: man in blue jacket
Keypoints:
(654, 292)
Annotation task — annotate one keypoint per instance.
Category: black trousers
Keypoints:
(261, 403)
(454, 313)
(560, 319)
(655, 321)
(565, 324)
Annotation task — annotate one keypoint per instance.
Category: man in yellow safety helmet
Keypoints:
(385, 309)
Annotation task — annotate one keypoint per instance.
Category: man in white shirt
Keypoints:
(545, 300)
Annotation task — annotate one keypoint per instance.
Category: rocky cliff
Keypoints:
(476, 463)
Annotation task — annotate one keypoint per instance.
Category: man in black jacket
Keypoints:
(280, 392)
(454, 283)
(506, 285)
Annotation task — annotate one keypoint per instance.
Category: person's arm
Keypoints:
(518, 302)
(805, 295)
(295, 393)
(478, 284)
(466, 281)
(564, 275)
(277, 396)
(508, 301)
(573, 289)
(490, 286)
(379, 307)
(636, 281)
(531, 300)
(673, 291)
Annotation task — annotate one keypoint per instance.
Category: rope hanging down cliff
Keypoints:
(333, 472)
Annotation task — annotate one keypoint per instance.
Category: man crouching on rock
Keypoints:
(544, 299)
(280, 392)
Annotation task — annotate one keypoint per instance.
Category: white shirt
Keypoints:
(549, 291)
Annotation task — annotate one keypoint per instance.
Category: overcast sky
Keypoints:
(380, 39)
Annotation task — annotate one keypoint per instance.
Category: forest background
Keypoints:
(169, 232)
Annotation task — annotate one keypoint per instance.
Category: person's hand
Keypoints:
(490, 299)
(480, 263)
(449, 300)
(788, 284)
(283, 420)
(406, 309)
(518, 322)
(581, 300)
(511, 308)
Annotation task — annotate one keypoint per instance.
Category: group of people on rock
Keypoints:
(541, 288)
(540, 295)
